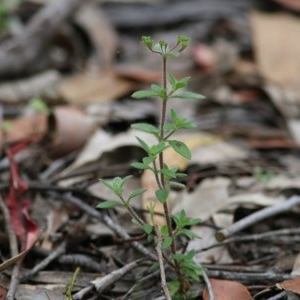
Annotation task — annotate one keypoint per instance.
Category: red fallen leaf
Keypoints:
(32, 229)
(24, 228)
(227, 290)
(292, 285)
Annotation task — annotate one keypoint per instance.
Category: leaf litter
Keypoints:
(244, 150)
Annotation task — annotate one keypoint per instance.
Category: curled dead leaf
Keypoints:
(71, 128)
(227, 290)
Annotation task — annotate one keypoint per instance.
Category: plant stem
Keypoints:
(162, 176)
(132, 212)
(161, 155)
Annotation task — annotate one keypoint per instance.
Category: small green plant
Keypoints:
(185, 270)
(38, 105)
(263, 176)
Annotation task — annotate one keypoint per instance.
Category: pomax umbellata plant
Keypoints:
(185, 271)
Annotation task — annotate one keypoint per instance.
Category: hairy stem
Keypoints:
(161, 166)
(161, 155)
(132, 212)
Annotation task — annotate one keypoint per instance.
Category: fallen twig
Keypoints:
(208, 285)
(106, 281)
(256, 217)
(110, 223)
(249, 278)
(274, 236)
(61, 249)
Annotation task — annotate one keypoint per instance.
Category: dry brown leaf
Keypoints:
(101, 142)
(227, 290)
(277, 61)
(25, 128)
(216, 255)
(55, 219)
(292, 285)
(87, 88)
(72, 128)
(208, 198)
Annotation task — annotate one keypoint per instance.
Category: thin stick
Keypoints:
(249, 277)
(61, 249)
(208, 285)
(106, 281)
(274, 235)
(109, 223)
(13, 245)
(158, 249)
(256, 217)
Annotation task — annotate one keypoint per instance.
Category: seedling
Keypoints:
(185, 270)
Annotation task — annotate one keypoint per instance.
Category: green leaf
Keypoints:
(164, 230)
(136, 193)
(162, 195)
(144, 145)
(169, 127)
(148, 228)
(107, 184)
(183, 41)
(38, 105)
(171, 173)
(109, 204)
(140, 166)
(145, 127)
(181, 148)
(144, 94)
(167, 242)
(148, 160)
(182, 83)
(116, 185)
(154, 267)
(147, 41)
(157, 148)
(173, 287)
(159, 90)
(188, 95)
(180, 123)
(189, 233)
(172, 80)
(176, 185)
